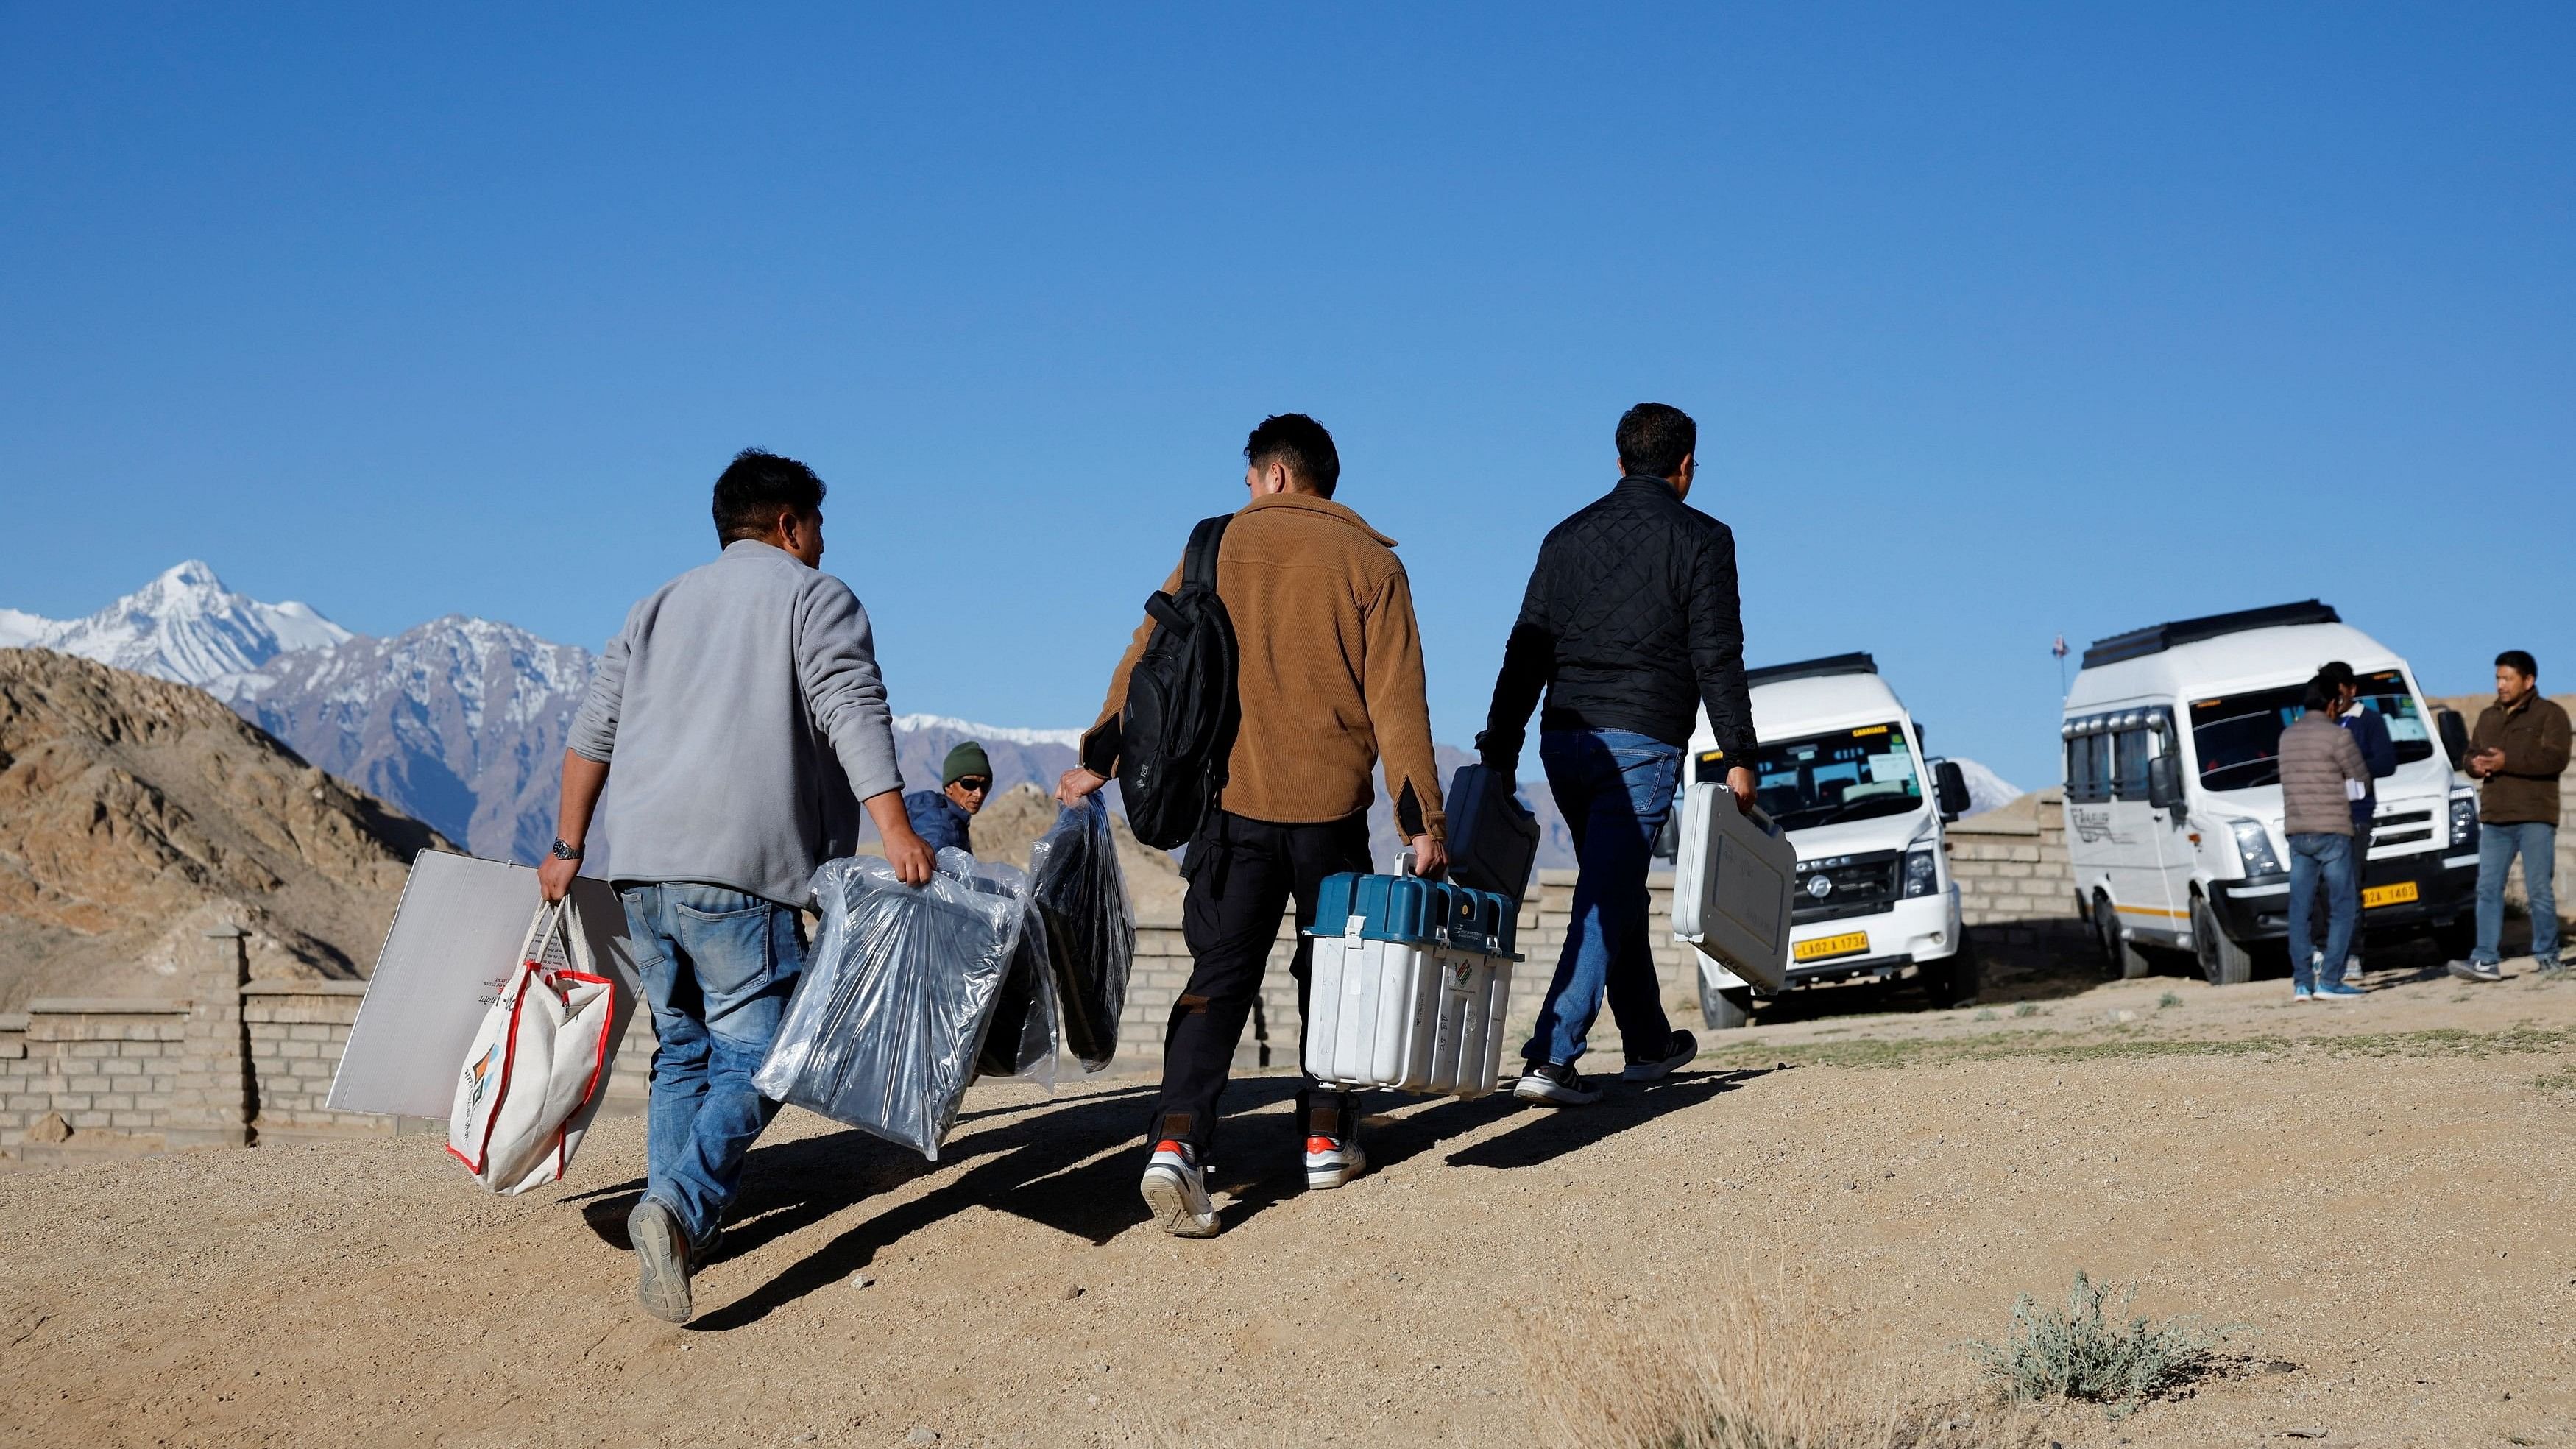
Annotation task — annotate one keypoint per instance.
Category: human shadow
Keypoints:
(1059, 1166)
(1552, 1133)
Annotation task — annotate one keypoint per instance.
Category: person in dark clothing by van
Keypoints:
(2321, 775)
(2518, 751)
(1630, 624)
(2379, 756)
(945, 818)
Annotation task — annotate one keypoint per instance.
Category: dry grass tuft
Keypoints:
(1760, 1368)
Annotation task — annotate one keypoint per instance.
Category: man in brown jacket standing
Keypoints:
(2321, 775)
(2519, 749)
(1329, 675)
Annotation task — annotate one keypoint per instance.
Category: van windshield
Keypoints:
(2238, 736)
(1855, 774)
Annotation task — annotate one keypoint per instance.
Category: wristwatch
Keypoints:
(561, 851)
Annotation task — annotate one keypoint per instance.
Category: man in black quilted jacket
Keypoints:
(1630, 624)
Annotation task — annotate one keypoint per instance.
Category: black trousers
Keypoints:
(1242, 873)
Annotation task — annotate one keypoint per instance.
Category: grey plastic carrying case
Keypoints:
(1732, 885)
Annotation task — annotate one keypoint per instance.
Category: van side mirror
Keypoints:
(1951, 786)
(2164, 782)
(2455, 735)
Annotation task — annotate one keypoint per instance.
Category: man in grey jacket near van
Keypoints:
(2321, 775)
(742, 710)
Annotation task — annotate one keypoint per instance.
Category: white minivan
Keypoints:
(2173, 797)
(1839, 767)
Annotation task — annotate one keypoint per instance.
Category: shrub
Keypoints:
(1751, 1368)
(1988, 1013)
(2168, 999)
(2027, 1008)
(2082, 1354)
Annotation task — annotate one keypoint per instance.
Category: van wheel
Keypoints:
(1955, 981)
(2457, 937)
(2121, 959)
(2223, 961)
(1726, 1008)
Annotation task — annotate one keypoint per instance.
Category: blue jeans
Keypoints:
(1614, 789)
(718, 967)
(2316, 857)
(2536, 842)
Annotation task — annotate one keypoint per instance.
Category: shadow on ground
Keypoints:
(1071, 1166)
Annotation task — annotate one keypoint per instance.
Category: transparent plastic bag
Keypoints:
(897, 995)
(1080, 896)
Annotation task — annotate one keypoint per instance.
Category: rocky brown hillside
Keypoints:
(136, 813)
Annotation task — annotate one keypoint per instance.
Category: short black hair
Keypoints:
(2521, 662)
(2322, 695)
(1654, 438)
(1299, 443)
(756, 487)
(2338, 674)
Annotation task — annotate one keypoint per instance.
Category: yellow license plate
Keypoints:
(1824, 946)
(2388, 895)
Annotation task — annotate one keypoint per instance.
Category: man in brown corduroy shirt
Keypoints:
(1330, 680)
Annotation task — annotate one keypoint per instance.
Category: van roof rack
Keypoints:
(2156, 639)
(1812, 669)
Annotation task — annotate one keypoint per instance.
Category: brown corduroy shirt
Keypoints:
(1330, 670)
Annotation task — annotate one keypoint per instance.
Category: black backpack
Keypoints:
(1178, 726)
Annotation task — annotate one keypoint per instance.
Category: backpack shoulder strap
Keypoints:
(1198, 565)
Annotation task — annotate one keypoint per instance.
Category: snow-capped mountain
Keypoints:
(1986, 789)
(459, 721)
(184, 626)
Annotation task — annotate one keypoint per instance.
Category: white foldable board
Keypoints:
(1732, 886)
(454, 941)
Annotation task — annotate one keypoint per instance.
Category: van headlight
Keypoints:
(2254, 847)
(1922, 877)
(2464, 820)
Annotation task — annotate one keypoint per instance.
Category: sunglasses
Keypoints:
(974, 784)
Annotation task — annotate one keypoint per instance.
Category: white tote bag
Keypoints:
(537, 1067)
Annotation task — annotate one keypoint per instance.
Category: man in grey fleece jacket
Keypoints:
(742, 710)
(2321, 775)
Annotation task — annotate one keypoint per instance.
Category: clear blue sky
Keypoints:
(1999, 322)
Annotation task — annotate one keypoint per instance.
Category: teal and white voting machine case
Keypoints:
(1732, 884)
(1409, 983)
(453, 945)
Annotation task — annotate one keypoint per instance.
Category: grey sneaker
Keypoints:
(1555, 1084)
(1677, 1053)
(1175, 1191)
(2477, 970)
(661, 1261)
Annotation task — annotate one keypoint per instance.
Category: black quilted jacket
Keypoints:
(1630, 623)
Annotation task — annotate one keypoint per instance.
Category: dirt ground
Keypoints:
(2378, 1195)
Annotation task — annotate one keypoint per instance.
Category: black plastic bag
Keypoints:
(1021, 1042)
(1080, 896)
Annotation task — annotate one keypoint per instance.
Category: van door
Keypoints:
(2139, 854)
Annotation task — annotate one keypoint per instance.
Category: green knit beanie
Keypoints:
(967, 759)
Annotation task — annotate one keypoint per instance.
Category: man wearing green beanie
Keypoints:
(944, 817)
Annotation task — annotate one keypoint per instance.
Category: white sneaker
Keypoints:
(1332, 1161)
(1176, 1194)
(2477, 971)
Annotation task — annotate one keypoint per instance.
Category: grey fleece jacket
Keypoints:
(742, 719)
(2317, 757)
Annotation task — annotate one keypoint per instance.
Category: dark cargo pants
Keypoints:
(1242, 873)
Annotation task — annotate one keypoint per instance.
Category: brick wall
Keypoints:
(240, 1059)
(104, 1069)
